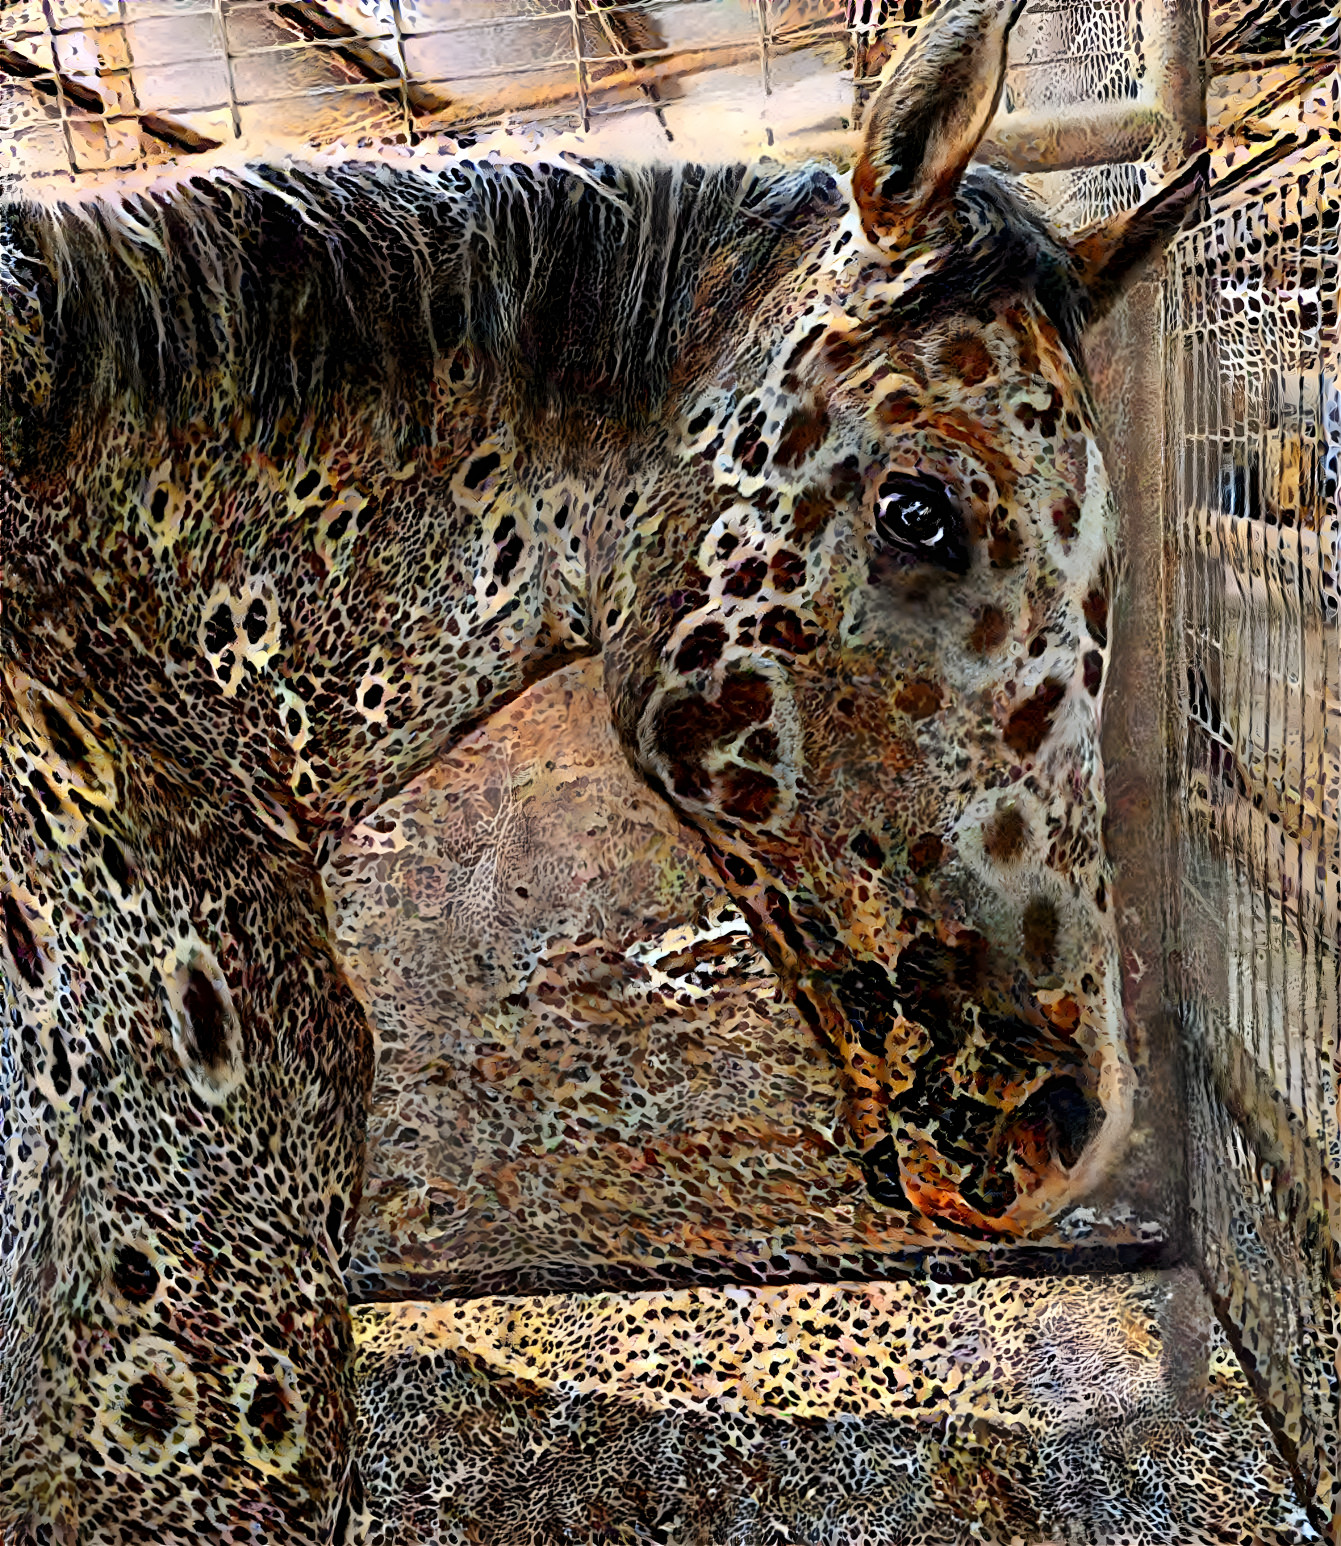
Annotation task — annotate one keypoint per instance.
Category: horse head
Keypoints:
(870, 671)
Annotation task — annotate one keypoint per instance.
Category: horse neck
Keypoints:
(487, 344)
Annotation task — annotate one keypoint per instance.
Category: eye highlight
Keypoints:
(918, 517)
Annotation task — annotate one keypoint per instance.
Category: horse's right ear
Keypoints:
(928, 118)
(1102, 256)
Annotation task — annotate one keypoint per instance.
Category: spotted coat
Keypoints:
(307, 468)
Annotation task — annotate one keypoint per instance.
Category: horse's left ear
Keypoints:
(928, 118)
(1104, 255)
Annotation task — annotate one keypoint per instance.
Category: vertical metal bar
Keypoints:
(234, 113)
(130, 56)
(49, 18)
(406, 112)
(579, 60)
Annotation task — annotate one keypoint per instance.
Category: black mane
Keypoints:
(281, 288)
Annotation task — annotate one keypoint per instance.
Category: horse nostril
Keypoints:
(1073, 1117)
(880, 1167)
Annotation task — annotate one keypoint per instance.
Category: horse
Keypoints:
(306, 467)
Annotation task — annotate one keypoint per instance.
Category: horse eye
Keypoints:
(919, 518)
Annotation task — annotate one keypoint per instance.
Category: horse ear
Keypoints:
(927, 119)
(1105, 254)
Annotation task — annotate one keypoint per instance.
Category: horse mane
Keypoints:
(1011, 244)
(279, 288)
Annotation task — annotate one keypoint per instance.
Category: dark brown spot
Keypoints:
(1093, 666)
(687, 727)
(60, 1064)
(846, 480)
(256, 621)
(1004, 835)
(898, 408)
(783, 630)
(933, 978)
(149, 1409)
(1040, 934)
(1004, 543)
(748, 794)
(1066, 519)
(1045, 418)
(22, 946)
(866, 847)
(746, 578)
(988, 632)
(867, 997)
(789, 571)
(1038, 644)
(804, 345)
(335, 1209)
(39, 821)
(48, 796)
(1065, 1117)
(919, 699)
(209, 1020)
(64, 741)
(745, 699)
(737, 869)
(967, 359)
(702, 648)
(508, 554)
(780, 914)
(219, 630)
(1031, 723)
(480, 469)
(925, 853)
(810, 512)
(841, 353)
(134, 1275)
(268, 1412)
(762, 746)
(1096, 617)
(684, 731)
(681, 602)
(803, 431)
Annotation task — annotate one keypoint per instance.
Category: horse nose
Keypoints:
(1069, 1116)
(981, 1165)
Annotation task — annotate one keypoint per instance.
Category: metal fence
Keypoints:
(1254, 403)
(90, 86)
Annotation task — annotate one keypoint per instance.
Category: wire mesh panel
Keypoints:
(89, 86)
(1252, 362)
